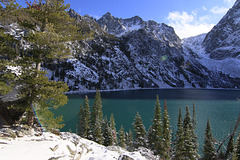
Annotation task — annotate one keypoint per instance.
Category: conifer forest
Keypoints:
(159, 138)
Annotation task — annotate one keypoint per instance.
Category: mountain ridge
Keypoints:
(132, 53)
(223, 40)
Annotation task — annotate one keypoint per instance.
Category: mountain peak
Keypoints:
(225, 34)
(107, 15)
(149, 54)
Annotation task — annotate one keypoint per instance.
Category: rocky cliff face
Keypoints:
(223, 40)
(218, 51)
(132, 53)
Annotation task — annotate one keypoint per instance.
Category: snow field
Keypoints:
(68, 146)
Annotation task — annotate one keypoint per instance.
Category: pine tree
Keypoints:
(179, 141)
(190, 151)
(80, 123)
(221, 154)
(84, 120)
(7, 50)
(97, 132)
(129, 141)
(166, 133)
(48, 120)
(97, 108)
(97, 119)
(237, 149)
(87, 118)
(230, 148)
(155, 141)
(139, 132)
(209, 148)
(113, 130)
(106, 132)
(9, 46)
(149, 137)
(47, 39)
(45, 94)
(122, 138)
(194, 122)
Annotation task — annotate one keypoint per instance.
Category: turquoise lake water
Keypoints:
(220, 106)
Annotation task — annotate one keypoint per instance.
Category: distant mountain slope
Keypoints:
(219, 49)
(223, 40)
(133, 53)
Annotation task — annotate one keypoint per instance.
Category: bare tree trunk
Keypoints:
(31, 114)
(30, 118)
(230, 136)
(38, 67)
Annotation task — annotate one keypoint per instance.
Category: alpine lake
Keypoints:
(221, 106)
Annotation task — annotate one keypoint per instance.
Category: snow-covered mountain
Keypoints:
(219, 50)
(133, 53)
(223, 41)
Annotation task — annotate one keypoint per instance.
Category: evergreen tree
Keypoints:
(237, 149)
(155, 141)
(122, 138)
(48, 120)
(230, 148)
(166, 133)
(129, 141)
(45, 94)
(80, 124)
(106, 132)
(139, 132)
(97, 119)
(84, 124)
(194, 122)
(221, 154)
(47, 39)
(97, 108)
(8, 47)
(209, 148)
(190, 151)
(113, 130)
(179, 141)
(87, 118)
(149, 137)
(97, 131)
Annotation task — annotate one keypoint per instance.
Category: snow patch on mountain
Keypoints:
(129, 29)
(194, 44)
(229, 66)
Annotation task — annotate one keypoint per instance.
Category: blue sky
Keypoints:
(188, 17)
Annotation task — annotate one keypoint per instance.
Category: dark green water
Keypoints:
(220, 106)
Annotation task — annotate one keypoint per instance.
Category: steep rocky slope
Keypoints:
(223, 40)
(133, 53)
(219, 50)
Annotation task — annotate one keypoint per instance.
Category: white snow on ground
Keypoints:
(67, 146)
